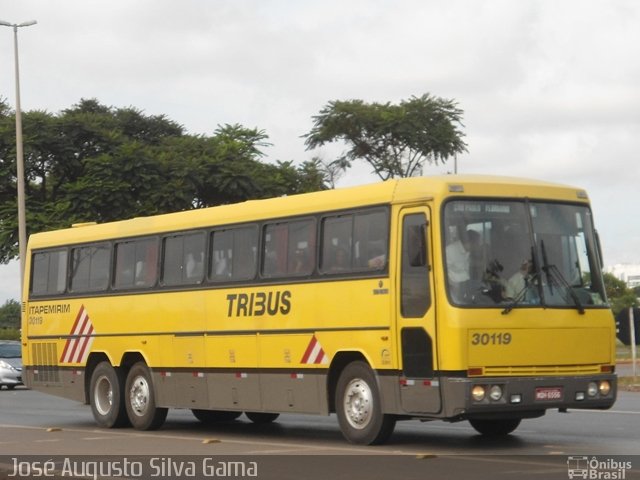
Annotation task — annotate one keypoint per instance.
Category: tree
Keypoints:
(396, 140)
(10, 314)
(619, 295)
(330, 171)
(92, 162)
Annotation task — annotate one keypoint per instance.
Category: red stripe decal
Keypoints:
(85, 343)
(310, 347)
(75, 324)
(76, 341)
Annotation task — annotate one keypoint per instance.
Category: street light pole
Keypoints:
(22, 223)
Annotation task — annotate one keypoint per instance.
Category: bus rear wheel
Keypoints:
(105, 396)
(495, 427)
(359, 408)
(140, 399)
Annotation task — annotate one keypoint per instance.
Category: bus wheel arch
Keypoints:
(129, 359)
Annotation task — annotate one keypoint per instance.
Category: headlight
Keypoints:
(495, 393)
(4, 364)
(592, 389)
(478, 392)
(605, 388)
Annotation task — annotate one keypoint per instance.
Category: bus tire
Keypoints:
(262, 417)
(105, 396)
(495, 427)
(359, 408)
(140, 399)
(214, 416)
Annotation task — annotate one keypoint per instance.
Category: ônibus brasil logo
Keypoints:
(598, 469)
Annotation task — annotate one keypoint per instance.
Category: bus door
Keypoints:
(420, 388)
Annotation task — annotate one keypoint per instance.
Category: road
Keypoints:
(32, 423)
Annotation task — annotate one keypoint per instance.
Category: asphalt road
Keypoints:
(297, 446)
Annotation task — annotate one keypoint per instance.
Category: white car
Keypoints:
(10, 364)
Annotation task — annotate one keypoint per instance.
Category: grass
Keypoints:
(623, 352)
(9, 334)
(629, 384)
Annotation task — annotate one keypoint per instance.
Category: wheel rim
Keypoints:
(358, 401)
(139, 396)
(103, 395)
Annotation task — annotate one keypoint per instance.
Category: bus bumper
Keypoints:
(525, 397)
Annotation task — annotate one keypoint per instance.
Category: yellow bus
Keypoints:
(474, 298)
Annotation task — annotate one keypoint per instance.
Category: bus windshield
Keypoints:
(521, 253)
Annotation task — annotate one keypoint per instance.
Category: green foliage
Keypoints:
(9, 334)
(10, 315)
(396, 140)
(619, 295)
(97, 163)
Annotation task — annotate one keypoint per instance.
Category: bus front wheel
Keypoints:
(140, 399)
(359, 408)
(105, 396)
(495, 427)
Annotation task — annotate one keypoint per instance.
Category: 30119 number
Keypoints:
(502, 338)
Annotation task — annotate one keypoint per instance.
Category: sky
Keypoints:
(550, 89)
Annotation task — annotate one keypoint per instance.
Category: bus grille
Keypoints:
(45, 363)
(543, 370)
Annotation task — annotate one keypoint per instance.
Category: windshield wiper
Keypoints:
(529, 283)
(516, 300)
(554, 274)
(545, 267)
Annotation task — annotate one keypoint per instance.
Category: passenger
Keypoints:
(340, 261)
(518, 281)
(459, 255)
(300, 262)
(459, 262)
(377, 261)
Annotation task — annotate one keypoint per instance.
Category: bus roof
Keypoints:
(404, 190)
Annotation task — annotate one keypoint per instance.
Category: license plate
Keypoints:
(547, 394)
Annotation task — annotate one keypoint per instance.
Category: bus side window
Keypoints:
(336, 244)
(274, 250)
(370, 239)
(289, 248)
(183, 259)
(355, 242)
(245, 246)
(136, 263)
(301, 254)
(90, 268)
(49, 272)
(233, 254)
(221, 255)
